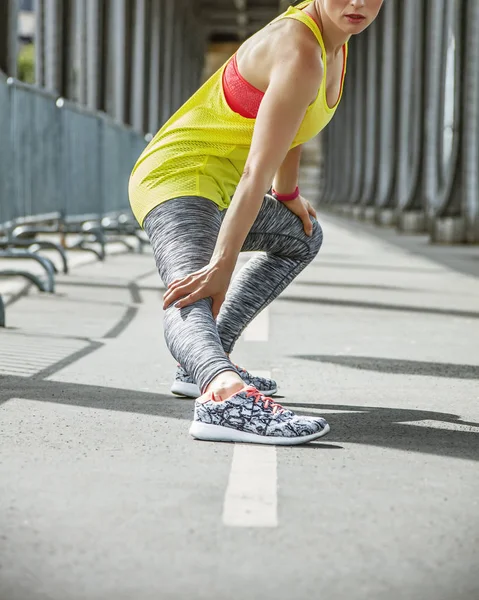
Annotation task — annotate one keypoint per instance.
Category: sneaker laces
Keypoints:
(267, 402)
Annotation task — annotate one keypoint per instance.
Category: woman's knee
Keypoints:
(314, 241)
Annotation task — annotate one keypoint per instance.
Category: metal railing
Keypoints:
(63, 170)
(403, 149)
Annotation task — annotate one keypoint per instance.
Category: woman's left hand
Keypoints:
(211, 281)
(303, 209)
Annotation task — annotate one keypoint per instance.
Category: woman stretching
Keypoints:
(199, 191)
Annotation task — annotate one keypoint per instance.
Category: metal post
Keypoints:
(81, 51)
(471, 124)
(201, 58)
(139, 65)
(371, 153)
(118, 64)
(67, 83)
(359, 112)
(39, 42)
(93, 50)
(409, 184)
(168, 56)
(387, 113)
(9, 37)
(179, 55)
(53, 54)
(443, 142)
(198, 51)
(343, 186)
(188, 41)
(156, 36)
(104, 57)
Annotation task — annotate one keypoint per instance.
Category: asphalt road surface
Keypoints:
(103, 495)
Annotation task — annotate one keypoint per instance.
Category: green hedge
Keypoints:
(26, 63)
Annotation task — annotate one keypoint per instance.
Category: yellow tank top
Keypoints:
(203, 147)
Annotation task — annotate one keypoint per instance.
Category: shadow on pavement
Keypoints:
(347, 265)
(398, 367)
(94, 396)
(134, 289)
(355, 286)
(393, 428)
(467, 314)
(398, 428)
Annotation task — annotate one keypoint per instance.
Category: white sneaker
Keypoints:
(249, 416)
(185, 385)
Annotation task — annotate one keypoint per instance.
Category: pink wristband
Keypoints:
(286, 197)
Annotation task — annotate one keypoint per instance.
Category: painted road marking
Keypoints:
(251, 495)
(258, 329)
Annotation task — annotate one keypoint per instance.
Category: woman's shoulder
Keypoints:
(281, 45)
(296, 45)
(291, 41)
(292, 32)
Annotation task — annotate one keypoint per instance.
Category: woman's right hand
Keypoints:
(212, 281)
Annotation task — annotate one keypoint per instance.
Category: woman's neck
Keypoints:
(334, 39)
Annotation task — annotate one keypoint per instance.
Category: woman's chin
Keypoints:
(353, 28)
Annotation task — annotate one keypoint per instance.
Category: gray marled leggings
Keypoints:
(183, 234)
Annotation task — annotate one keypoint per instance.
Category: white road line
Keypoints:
(258, 329)
(251, 495)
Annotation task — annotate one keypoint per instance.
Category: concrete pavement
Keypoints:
(105, 497)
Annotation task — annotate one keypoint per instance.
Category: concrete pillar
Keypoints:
(9, 37)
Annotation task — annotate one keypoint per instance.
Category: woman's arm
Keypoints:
(286, 181)
(294, 81)
(286, 178)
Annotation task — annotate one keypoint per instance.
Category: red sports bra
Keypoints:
(242, 97)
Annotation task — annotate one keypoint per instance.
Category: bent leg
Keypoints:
(287, 251)
(183, 235)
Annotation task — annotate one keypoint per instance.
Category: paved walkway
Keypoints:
(105, 497)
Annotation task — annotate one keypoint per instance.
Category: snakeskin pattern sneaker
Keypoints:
(249, 416)
(185, 385)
